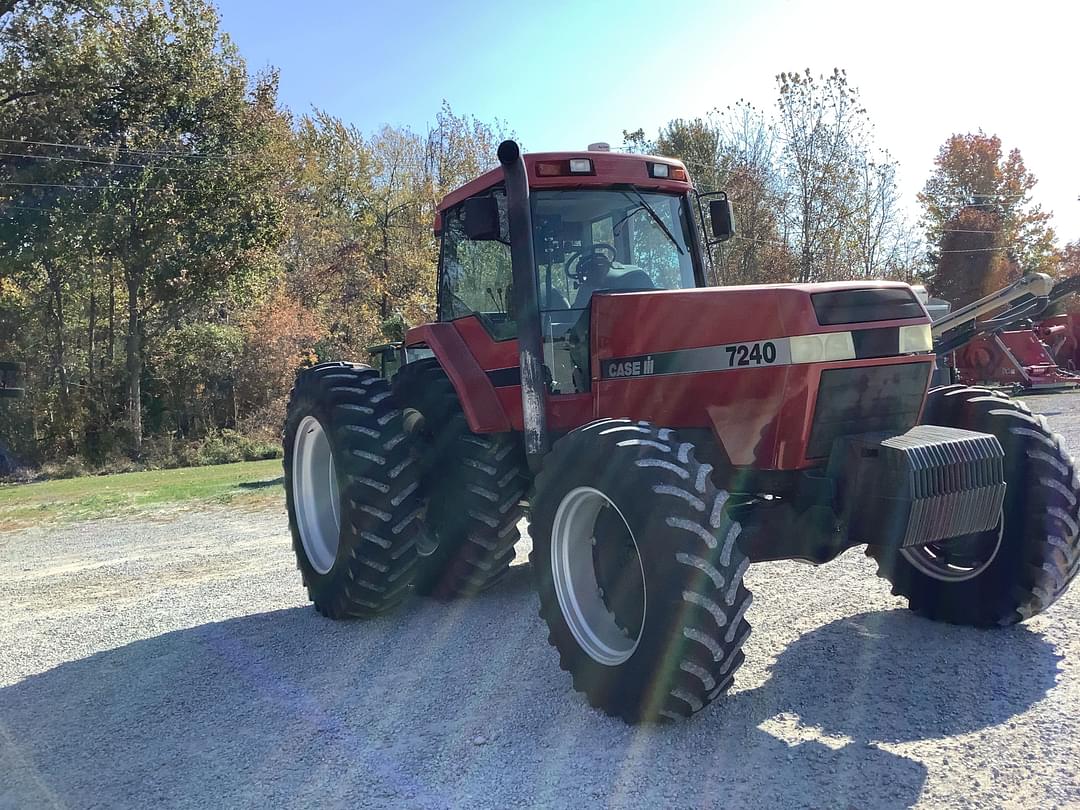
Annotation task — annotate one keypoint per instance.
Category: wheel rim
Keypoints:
(605, 636)
(315, 494)
(957, 559)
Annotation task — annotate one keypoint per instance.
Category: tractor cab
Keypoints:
(601, 222)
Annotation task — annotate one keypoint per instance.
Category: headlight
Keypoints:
(822, 348)
(916, 339)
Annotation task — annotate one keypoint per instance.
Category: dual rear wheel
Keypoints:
(352, 491)
(635, 554)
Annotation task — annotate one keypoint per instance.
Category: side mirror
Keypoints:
(482, 219)
(723, 220)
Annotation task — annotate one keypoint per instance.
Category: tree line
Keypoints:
(175, 243)
(816, 196)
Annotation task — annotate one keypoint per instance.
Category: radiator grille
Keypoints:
(866, 399)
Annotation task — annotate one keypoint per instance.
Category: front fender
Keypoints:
(483, 411)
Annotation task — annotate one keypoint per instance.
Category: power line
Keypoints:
(973, 250)
(993, 194)
(62, 159)
(4, 207)
(160, 152)
(95, 188)
(977, 205)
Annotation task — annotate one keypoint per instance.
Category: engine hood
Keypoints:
(635, 323)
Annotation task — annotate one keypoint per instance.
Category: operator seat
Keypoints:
(626, 278)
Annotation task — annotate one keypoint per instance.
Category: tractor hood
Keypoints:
(638, 323)
(749, 362)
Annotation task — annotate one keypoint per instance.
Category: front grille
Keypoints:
(861, 306)
(866, 399)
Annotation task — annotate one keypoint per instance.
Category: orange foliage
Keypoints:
(279, 340)
(972, 263)
(977, 187)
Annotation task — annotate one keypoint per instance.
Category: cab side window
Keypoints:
(475, 276)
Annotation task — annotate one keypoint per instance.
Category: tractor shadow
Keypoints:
(464, 705)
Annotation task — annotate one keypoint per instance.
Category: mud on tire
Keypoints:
(1039, 551)
(473, 485)
(380, 514)
(690, 624)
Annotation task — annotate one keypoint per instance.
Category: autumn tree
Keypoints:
(360, 245)
(697, 143)
(1069, 267)
(822, 125)
(760, 252)
(970, 258)
(815, 197)
(973, 176)
(161, 166)
(173, 246)
(279, 336)
(732, 150)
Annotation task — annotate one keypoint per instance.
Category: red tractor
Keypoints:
(661, 435)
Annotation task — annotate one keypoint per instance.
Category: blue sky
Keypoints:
(564, 74)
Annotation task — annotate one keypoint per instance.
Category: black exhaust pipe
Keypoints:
(526, 303)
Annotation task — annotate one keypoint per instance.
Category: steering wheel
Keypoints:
(586, 258)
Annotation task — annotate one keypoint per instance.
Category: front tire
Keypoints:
(351, 490)
(639, 571)
(1021, 568)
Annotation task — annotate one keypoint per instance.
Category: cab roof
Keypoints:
(608, 169)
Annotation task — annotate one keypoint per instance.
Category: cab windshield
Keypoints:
(624, 239)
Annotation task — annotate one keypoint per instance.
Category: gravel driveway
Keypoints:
(176, 661)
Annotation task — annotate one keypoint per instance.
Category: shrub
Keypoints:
(227, 447)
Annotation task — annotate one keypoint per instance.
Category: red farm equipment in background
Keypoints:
(1010, 349)
(1015, 357)
(1061, 334)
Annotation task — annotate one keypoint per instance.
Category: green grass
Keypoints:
(249, 483)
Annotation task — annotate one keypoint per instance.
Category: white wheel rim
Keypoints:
(933, 560)
(574, 576)
(315, 495)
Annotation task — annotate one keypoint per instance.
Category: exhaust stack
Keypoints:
(526, 303)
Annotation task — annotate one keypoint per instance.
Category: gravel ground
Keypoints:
(175, 661)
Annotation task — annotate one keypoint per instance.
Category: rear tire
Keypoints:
(1038, 554)
(351, 489)
(473, 485)
(653, 627)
